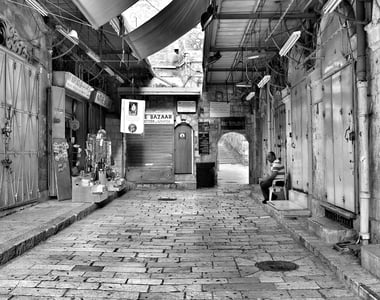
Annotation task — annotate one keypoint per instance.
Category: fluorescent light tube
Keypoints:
(115, 25)
(243, 84)
(41, 10)
(93, 56)
(72, 36)
(118, 78)
(263, 81)
(330, 6)
(256, 56)
(290, 43)
(250, 96)
(109, 71)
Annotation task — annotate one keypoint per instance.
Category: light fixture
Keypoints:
(263, 81)
(41, 10)
(72, 36)
(250, 96)
(109, 71)
(208, 16)
(330, 6)
(255, 56)
(214, 58)
(93, 56)
(115, 23)
(244, 84)
(118, 78)
(290, 43)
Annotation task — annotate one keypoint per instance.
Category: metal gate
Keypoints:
(339, 139)
(19, 109)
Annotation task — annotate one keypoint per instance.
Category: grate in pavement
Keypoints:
(167, 199)
(276, 266)
(88, 268)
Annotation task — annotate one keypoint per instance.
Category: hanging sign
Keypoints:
(132, 116)
(101, 99)
(204, 142)
(186, 107)
(159, 118)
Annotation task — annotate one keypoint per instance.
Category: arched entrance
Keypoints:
(233, 162)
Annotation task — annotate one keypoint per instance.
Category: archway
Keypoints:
(233, 159)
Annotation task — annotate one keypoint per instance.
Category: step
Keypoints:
(286, 208)
(370, 258)
(329, 231)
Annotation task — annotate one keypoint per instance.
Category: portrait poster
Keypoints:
(132, 116)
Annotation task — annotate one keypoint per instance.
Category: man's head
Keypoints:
(271, 157)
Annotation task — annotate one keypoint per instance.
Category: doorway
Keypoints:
(233, 159)
(183, 143)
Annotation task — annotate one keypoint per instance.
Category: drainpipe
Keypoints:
(269, 118)
(362, 86)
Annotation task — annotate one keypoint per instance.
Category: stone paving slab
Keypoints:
(25, 227)
(346, 266)
(204, 245)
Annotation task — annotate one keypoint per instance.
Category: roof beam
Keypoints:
(241, 49)
(233, 70)
(264, 15)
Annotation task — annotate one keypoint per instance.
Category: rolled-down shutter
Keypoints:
(150, 156)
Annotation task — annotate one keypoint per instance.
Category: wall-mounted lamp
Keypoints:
(208, 16)
(330, 6)
(72, 36)
(109, 71)
(93, 56)
(250, 96)
(290, 43)
(263, 81)
(214, 58)
(35, 5)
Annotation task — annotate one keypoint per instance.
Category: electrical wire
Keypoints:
(64, 53)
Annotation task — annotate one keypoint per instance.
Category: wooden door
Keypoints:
(19, 111)
(183, 143)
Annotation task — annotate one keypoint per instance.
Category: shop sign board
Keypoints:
(186, 107)
(232, 123)
(72, 83)
(132, 116)
(102, 99)
(159, 118)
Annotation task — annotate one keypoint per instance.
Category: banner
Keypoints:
(132, 116)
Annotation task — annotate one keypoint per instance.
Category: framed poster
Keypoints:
(204, 142)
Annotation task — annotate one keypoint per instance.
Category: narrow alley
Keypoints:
(171, 244)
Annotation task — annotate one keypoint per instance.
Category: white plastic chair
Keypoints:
(277, 187)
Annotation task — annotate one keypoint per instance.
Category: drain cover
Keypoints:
(276, 266)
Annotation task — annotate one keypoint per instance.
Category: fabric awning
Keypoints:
(168, 25)
(99, 12)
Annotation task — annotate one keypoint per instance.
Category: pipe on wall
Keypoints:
(363, 127)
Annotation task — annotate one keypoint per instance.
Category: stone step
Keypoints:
(329, 231)
(286, 208)
(370, 258)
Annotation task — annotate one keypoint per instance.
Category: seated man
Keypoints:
(276, 169)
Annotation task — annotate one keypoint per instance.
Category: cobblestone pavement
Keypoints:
(201, 244)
